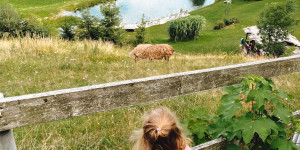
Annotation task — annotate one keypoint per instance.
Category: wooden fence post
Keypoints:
(7, 140)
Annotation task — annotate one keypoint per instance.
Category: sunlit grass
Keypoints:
(49, 8)
(38, 65)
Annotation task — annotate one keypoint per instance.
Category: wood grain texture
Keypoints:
(55, 105)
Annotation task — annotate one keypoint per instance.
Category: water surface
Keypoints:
(132, 10)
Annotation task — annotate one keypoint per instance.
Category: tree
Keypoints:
(141, 32)
(13, 25)
(274, 24)
(198, 2)
(10, 20)
(111, 23)
(67, 25)
(89, 28)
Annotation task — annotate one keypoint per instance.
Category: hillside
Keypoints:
(33, 65)
(224, 40)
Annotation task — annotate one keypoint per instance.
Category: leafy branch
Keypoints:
(251, 113)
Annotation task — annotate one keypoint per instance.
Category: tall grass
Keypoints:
(44, 64)
(188, 28)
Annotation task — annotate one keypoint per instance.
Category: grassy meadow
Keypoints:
(48, 8)
(221, 41)
(38, 65)
(45, 64)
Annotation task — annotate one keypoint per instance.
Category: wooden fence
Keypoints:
(56, 105)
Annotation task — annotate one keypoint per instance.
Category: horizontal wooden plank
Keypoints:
(217, 144)
(55, 105)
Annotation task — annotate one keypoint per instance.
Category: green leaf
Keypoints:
(284, 95)
(282, 144)
(261, 126)
(233, 147)
(259, 95)
(198, 112)
(229, 89)
(228, 110)
(283, 113)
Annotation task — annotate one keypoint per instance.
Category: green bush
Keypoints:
(186, 28)
(198, 2)
(67, 25)
(140, 32)
(10, 20)
(219, 25)
(89, 27)
(250, 112)
(111, 30)
(227, 22)
(12, 24)
(33, 27)
(234, 20)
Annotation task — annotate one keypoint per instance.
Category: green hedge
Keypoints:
(188, 28)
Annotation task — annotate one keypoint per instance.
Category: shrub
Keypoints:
(89, 27)
(33, 27)
(12, 24)
(227, 22)
(67, 25)
(186, 28)
(111, 30)
(251, 112)
(276, 20)
(234, 20)
(198, 2)
(10, 20)
(219, 25)
(140, 32)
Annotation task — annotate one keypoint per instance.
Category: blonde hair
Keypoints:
(161, 131)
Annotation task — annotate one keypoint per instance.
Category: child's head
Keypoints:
(161, 131)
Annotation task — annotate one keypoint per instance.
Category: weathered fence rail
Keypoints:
(55, 105)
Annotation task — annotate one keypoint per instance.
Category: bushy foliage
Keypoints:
(141, 32)
(186, 28)
(198, 2)
(274, 24)
(233, 20)
(68, 24)
(89, 27)
(219, 25)
(111, 30)
(13, 25)
(32, 27)
(10, 20)
(250, 112)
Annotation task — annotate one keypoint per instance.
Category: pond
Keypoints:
(132, 10)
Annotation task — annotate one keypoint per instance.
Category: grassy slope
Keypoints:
(27, 66)
(219, 41)
(38, 65)
(47, 8)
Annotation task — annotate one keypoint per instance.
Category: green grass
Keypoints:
(48, 8)
(225, 40)
(39, 65)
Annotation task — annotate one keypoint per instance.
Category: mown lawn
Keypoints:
(48, 8)
(225, 40)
